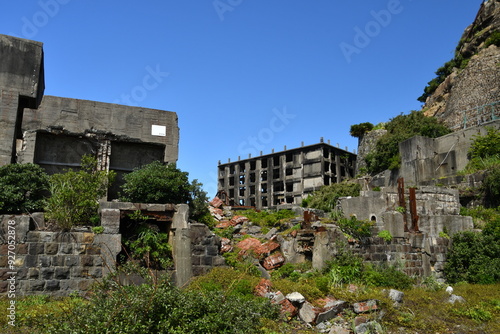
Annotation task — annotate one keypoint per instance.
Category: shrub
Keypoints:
(165, 183)
(346, 267)
(326, 198)
(75, 195)
(162, 308)
(157, 183)
(486, 145)
(22, 187)
(151, 247)
(355, 228)
(386, 235)
(359, 130)
(198, 203)
(493, 39)
(400, 128)
(474, 258)
(388, 276)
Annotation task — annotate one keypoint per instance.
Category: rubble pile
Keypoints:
(327, 314)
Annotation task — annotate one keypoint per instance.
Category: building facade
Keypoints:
(284, 177)
(55, 132)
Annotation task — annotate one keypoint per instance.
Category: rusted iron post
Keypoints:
(402, 202)
(413, 210)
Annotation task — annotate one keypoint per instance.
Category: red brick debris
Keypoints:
(248, 244)
(274, 261)
(267, 248)
(216, 202)
(263, 287)
(238, 220)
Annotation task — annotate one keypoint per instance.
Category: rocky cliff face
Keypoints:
(478, 83)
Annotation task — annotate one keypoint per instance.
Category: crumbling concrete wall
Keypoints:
(425, 159)
(125, 123)
(21, 86)
(56, 132)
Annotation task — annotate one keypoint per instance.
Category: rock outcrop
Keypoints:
(478, 83)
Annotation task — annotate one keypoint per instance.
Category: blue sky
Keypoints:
(245, 76)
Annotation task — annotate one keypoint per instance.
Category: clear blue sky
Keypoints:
(245, 75)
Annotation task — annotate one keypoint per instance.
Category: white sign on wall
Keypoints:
(158, 130)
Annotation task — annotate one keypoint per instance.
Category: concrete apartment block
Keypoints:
(284, 177)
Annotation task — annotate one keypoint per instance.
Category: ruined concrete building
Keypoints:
(284, 177)
(56, 132)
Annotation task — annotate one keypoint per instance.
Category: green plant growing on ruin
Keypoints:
(138, 216)
(475, 257)
(400, 128)
(163, 183)
(156, 183)
(98, 229)
(386, 235)
(23, 188)
(493, 39)
(75, 195)
(354, 228)
(268, 218)
(326, 197)
(151, 247)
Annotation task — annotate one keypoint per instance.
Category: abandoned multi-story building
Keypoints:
(284, 177)
(56, 132)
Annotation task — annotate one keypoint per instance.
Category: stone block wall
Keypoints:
(205, 249)
(54, 263)
(417, 254)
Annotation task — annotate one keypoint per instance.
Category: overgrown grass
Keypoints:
(268, 218)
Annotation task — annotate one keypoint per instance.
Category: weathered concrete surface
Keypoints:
(182, 245)
(79, 116)
(21, 68)
(21, 86)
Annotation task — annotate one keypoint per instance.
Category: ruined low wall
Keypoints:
(55, 263)
(417, 254)
(205, 249)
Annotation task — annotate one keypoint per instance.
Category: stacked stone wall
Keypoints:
(205, 249)
(417, 255)
(55, 263)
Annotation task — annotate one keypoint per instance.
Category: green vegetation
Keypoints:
(359, 130)
(493, 39)
(326, 198)
(386, 235)
(475, 257)
(22, 187)
(484, 156)
(156, 183)
(354, 228)
(165, 183)
(268, 218)
(400, 128)
(155, 307)
(150, 247)
(75, 195)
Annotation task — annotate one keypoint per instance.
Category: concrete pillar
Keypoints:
(182, 245)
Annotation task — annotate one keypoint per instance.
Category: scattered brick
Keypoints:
(263, 287)
(274, 261)
(238, 220)
(288, 309)
(216, 202)
(362, 307)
